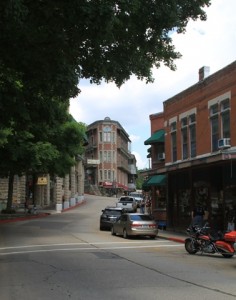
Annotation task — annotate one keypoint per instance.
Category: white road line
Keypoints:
(82, 243)
(87, 248)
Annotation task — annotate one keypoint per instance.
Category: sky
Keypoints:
(210, 43)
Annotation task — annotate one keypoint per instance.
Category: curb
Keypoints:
(174, 239)
(37, 216)
(24, 218)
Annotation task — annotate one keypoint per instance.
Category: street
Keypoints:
(66, 256)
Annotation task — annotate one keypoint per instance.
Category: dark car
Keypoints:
(109, 216)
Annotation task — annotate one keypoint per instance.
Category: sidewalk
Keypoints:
(20, 215)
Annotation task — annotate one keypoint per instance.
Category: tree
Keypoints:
(48, 46)
(34, 147)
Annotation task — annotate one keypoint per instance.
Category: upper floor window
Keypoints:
(225, 119)
(192, 137)
(214, 110)
(220, 122)
(107, 136)
(185, 143)
(214, 133)
(192, 119)
(173, 129)
(174, 146)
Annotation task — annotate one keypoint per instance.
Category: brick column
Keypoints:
(66, 192)
(58, 187)
(73, 187)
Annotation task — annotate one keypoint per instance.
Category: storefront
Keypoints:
(156, 185)
(213, 187)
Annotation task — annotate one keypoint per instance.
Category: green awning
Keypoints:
(156, 180)
(158, 136)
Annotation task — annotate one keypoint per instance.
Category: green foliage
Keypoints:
(47, 46)
(59, 42)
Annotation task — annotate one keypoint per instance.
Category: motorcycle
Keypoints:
(202, 241)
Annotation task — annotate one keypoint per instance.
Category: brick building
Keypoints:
(110, 166)
(199, 147)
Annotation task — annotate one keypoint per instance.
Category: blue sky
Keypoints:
(211, 43)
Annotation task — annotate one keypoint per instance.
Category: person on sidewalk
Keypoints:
(198, 215)
(142, 207)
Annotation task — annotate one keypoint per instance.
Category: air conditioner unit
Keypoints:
(161, 156)
(224, 143)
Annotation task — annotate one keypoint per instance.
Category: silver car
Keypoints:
(135, 224)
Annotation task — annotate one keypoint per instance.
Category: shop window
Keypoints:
(160, 198)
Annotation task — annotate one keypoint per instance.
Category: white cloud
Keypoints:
(211, 43)
(134, 138)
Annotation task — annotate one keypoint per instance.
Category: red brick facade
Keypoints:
(196, 121)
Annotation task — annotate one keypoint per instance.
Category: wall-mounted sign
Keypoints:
(42, 180)
(93, 161)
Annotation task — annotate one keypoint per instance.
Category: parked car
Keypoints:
(128, 203)
(138, 197)
(135, 224)
(109, 216)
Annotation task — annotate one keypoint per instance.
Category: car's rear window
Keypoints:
(126, 199)
(141, 218)
(112, 212)
(136, 195)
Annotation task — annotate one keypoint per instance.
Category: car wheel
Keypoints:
(125, 235)
(152, 237)
(101, 228)
(112, 231)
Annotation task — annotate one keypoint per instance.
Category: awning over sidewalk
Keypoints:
(155, 180)
(158, 136)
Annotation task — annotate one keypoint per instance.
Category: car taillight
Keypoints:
(136, 225)
(153, 226)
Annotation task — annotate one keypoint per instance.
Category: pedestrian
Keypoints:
(148, 206)
(142, 206)
(198, 215)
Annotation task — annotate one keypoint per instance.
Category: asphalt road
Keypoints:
(66, 256)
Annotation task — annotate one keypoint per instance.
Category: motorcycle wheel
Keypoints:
(189, 247)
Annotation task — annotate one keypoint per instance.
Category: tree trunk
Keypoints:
(10, 192)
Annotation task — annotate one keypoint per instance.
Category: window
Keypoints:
(192, 119)
(184, 130)
(107, 136)
(192, 137)
(101, 178)
(100, 136)
(105, 174)
(185, 143)
(173, 141)
(109, 156)
(109, 174)
(174, 146)
(225, 118)
(105, 156)
(214, 119)
(214, 133)
(214, 109)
